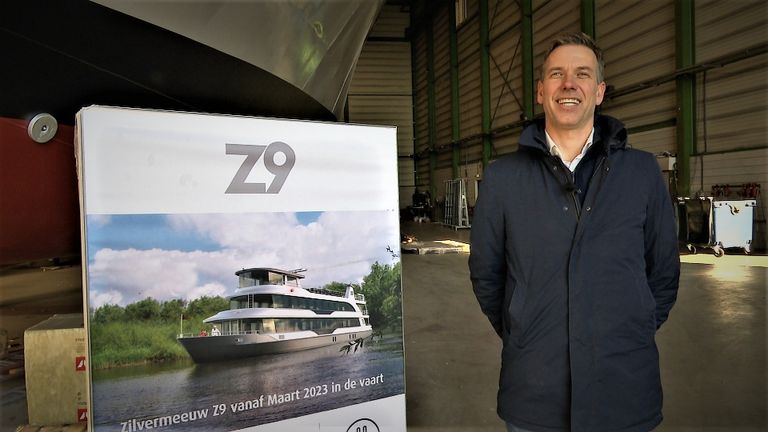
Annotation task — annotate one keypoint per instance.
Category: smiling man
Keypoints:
(574, 260)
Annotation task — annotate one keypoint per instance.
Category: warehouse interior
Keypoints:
(688, 78)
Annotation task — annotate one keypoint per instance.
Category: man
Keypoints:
(574, 261)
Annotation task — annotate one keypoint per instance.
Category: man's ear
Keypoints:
(600, 93)
(539, 92)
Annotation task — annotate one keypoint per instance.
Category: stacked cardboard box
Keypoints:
(55, 364)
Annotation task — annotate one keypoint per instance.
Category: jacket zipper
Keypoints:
(569, 181)
(597, 169)
(575, 199)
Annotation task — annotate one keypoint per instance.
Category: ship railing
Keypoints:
(221, 333)
(326, 292)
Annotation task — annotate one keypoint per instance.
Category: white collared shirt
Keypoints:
(555, 151)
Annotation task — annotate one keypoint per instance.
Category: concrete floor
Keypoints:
(713, 348)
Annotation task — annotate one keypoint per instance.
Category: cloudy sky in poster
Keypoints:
(185, 256)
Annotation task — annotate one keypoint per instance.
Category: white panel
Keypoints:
(125, 171)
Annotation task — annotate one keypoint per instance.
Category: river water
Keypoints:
(203, 396)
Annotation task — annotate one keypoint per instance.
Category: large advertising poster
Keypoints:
(241, 273)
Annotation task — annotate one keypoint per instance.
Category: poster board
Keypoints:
(202, 236)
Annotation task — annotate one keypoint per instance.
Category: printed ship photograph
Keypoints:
(176, 331)
(271, 313)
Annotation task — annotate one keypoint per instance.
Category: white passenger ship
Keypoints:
(271, 313)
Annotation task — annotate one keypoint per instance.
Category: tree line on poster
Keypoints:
(146, 331)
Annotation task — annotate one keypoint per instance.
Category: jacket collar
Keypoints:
(610, 135)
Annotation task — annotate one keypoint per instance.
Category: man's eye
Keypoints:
(556, 74)
(583, 75)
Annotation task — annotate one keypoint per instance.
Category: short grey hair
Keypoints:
(577, 38)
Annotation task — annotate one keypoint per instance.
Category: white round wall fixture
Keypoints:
(42, 128)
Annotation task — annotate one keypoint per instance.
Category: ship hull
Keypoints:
(205, 349)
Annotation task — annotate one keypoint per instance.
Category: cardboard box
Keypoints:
(56, 371)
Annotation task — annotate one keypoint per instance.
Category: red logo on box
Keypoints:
(82, 414)
(80, 363)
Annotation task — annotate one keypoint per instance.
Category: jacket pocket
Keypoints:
(647, 307)
(514, 315)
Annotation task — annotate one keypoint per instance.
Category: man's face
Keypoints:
(568, 89)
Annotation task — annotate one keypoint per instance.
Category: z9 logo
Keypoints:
(253, 153)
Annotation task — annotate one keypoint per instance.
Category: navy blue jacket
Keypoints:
(576, 287)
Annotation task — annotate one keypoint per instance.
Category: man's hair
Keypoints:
(577, 38)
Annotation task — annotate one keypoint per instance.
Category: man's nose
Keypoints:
(568, 81)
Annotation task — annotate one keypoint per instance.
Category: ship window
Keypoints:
(269, 325)
(292, 281)
(240, 302)
(252, 325)
(246, 280)
(262, 300)
(275, 279)
(279, 301)
(260, 277)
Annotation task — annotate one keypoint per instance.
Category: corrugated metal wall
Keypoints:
(550, 18)
(470, 111)
(381, 88)
(638, 38)
(442, 92)
(732, 102)
(506, 74)
(420, 109)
